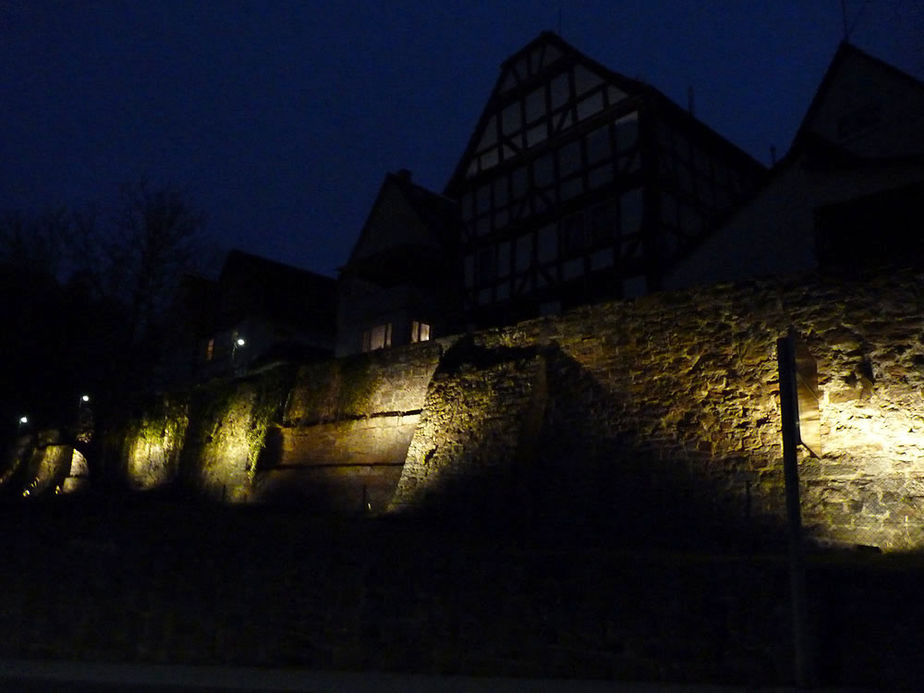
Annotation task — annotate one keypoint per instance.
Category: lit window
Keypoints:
(378, 337)
(210, 349)
(420, 331)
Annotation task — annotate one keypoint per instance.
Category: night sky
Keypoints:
(281, 118)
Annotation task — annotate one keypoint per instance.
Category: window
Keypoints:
(420, 332)
(631, 211)
(859, 120)
(487, 266)
(627, 132)
(603, 223)
(378, 337)
(598, 145)
(573, 240)
(210, 349)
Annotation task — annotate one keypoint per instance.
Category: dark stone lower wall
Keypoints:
(185, 584)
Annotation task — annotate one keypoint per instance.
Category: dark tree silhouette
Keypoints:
(158, 237)
(83, 301)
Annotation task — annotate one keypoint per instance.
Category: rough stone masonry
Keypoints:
(656, 414)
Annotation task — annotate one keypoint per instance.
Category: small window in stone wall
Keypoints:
(420, 332)
(377, 337)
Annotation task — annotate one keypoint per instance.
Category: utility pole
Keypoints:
(786, 348)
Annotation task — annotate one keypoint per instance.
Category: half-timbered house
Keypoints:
(579, 184)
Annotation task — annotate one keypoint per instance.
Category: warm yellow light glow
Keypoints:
(227, 458)
(78, 477)
(863, 490)
(50, 464)
(153, 445)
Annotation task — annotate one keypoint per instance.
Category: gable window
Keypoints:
(378, 337)
(210, 349)
(420, 332)
(859, 120)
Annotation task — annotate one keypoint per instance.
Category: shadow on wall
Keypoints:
(595, 476)
(510, 440)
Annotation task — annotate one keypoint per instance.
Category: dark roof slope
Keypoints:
(254, 285)
(803, 137)
(402, 259)
(568, 54)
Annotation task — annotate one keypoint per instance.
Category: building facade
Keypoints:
(580, 184)
(260, 311)
(848, 194)
(401, 283)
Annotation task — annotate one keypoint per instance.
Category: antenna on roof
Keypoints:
(848, 30)
(844, 18)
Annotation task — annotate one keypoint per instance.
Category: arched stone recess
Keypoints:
(345, 431)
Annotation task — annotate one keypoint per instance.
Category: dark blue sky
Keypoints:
(281, 118)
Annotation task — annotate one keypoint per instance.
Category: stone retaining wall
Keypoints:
(667, 409)
(659, 416)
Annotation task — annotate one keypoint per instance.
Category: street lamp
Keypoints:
(23, 420)
(239, 343)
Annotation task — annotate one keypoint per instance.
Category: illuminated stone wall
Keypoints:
(663, 413)
(49, 467)
(346, 430)
(229, 425)
(474, 442)
(658, 416)
(153, 442)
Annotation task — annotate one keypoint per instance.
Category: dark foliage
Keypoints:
(84, 303)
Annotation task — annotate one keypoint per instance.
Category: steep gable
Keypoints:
(866, 107)
(542, 90)
(392, 222)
